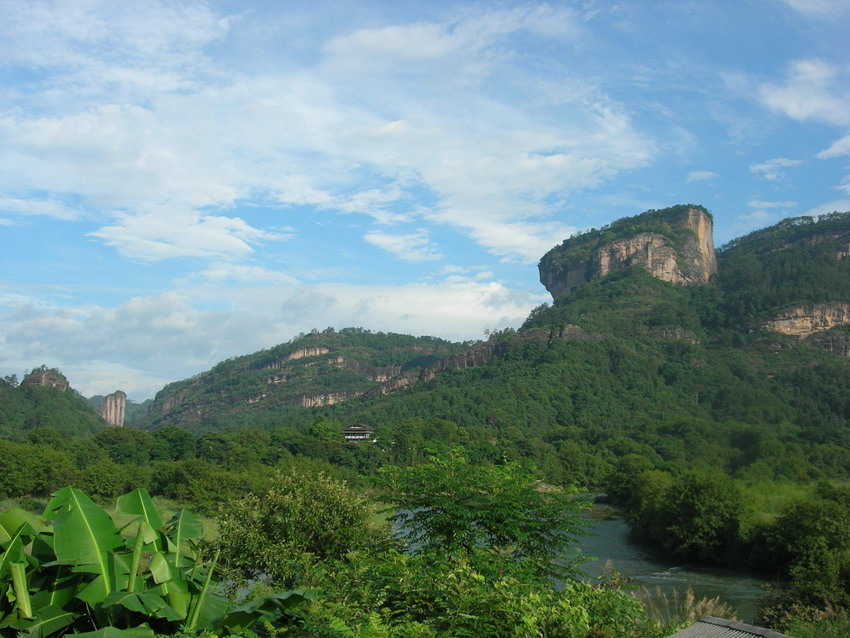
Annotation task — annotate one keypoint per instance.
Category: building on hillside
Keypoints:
(711, 627)
(359, 432)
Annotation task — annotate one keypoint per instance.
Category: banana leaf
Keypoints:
(182, 528)
(112, 632)
(138, 502)
(47, 621)
(115, 576)
(13, 519)
(146, 603)
(55, 587)
(82, 532)
(14, 554)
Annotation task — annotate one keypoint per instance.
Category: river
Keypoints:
(611, 543)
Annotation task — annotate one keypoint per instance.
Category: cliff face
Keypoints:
(684, 255)
(50, 378)
(113, 408)
(803, 321)
(831, 341)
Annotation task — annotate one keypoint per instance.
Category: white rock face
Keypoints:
(803, 321)
(692, 264)
(113, 408)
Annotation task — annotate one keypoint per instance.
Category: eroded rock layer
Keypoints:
(803, 321)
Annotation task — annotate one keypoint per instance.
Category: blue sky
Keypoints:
(183, 182)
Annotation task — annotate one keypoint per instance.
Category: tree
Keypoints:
(302, 517)
(450, 506)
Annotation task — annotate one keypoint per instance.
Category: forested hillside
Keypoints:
(716, 414)
(26, 406)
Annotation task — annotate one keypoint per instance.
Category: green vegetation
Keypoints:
(315, 530)
(24, 407)
(725, 443)
(76, 573)
(666, 223)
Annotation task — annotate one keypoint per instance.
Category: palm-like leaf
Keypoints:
(85, 537)
(138, 502)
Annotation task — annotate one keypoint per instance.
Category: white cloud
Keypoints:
(242, 273)
(755, 203)
(413, 248)
(141, 344)
(756, 219)
(153, 127)
(167, 233)
(820, 8)
(772, 168)
(814, 89)
(838, 205)
(701, 176)
(838, 148)
(47, 208)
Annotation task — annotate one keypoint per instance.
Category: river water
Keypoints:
(610, 543)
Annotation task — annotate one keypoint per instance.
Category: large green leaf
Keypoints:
(12, 520)
(112, 632)
(14, 554)
(138, 502)
(177, 594)
(146, 603)
(182, 528)
(84, 536)
(114, 578)
(55, 587)
(47, 621)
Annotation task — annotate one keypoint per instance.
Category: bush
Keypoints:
(302, 518)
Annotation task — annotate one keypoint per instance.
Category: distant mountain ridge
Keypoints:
(755, 313)
(315, 370)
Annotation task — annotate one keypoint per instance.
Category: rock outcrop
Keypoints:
(684, 255)
(47, 377)
(326, 399)
(803, 321)
(113, 408)
(298, 354)
(831, 341)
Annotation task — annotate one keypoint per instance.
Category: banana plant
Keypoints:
(76, 572)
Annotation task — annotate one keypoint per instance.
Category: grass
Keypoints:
(677, 610)
(766, 499)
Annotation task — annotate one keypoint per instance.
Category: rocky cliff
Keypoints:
(47, 377)
(113, 408)
(674, 244)
(804, 321)
(831, 341)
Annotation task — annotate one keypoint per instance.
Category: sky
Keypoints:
(185, 182)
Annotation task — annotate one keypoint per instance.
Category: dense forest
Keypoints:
(682, 404)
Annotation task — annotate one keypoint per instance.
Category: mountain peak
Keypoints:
(674, 244)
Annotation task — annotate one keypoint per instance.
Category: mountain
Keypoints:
(739, 361)
(674, 244)
(44, 398)
(315, 370)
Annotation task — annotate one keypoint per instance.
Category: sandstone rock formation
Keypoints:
(803, 321)
(298, 354)
(326, 399)
(688, 260)
(113, 408)
(47, 377)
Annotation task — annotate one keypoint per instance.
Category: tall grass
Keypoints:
(676, 610)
